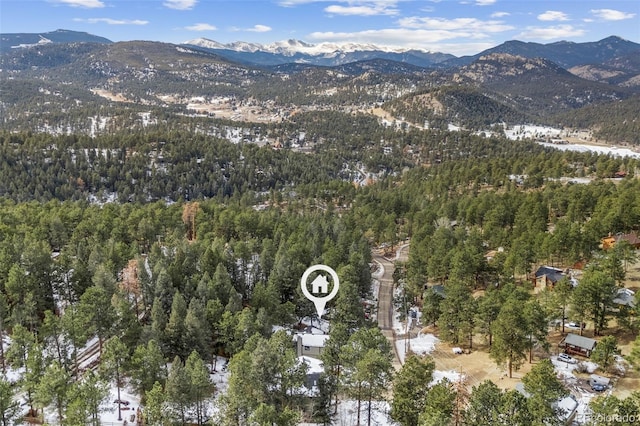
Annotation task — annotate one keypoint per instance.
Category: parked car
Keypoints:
(599, 383)
(567, 358)
(573, 325)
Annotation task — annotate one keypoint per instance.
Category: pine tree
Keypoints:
(410, 389)
(537, 326)
(201, 387)
(147, 367)
(605, 351)
(9, 404)
(332, 358)
(86, 397)
(440, 406)
(96, 313)
(176, 330)
(54, 388)
(114, 360)
(458, 313)
(178, 391)
(368, 369)
(4, 315)
(154, 409)
(595, 296)
(511, 338)
(484, 405)
(544, 388)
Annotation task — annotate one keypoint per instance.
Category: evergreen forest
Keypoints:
(169, 250)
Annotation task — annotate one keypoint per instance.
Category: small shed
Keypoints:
(578, 345)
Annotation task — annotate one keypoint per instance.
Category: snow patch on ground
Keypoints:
(451, 375)
(220, 377)
(422, 345)
(348, 413)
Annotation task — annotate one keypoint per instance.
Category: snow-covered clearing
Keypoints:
(424, 344)
(608, 150)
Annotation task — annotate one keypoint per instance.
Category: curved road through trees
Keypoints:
(385, 296)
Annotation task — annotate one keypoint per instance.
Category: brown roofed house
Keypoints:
(610, 241)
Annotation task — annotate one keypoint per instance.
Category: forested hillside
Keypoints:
(614, 121)
(217, 260)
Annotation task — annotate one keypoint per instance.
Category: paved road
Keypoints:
(385, 296)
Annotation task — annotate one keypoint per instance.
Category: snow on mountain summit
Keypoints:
(291, 47)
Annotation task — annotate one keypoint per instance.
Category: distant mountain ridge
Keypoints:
(10, 41)
(323, 54)
(564, 53)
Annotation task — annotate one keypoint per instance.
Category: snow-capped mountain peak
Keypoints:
(323, 54)
(206, 43)
(291, 47)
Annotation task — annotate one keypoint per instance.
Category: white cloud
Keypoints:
(353, 7)
(550, 33)
(200, 27)
(180, 4)
(255, 29)
(466, 24)
(612, 15)
(112, 21)
(371, 9)
(259, 29)
(485, 2)
(500, 14)
(553, 15)
(289, 3)
(87, 4)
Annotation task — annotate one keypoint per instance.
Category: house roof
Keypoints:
(315, 340)
(438, 289)
(553, 274)
(567, 407)
(630, 238)
(624, 296)
(314, 365)
(580, 341)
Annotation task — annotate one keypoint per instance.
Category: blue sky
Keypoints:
(459, 27)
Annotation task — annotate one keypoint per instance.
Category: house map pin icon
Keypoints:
(319, 285)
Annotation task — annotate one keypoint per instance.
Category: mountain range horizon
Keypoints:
(285, 46)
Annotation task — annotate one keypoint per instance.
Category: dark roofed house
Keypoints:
(578, 345)
(548, 276)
